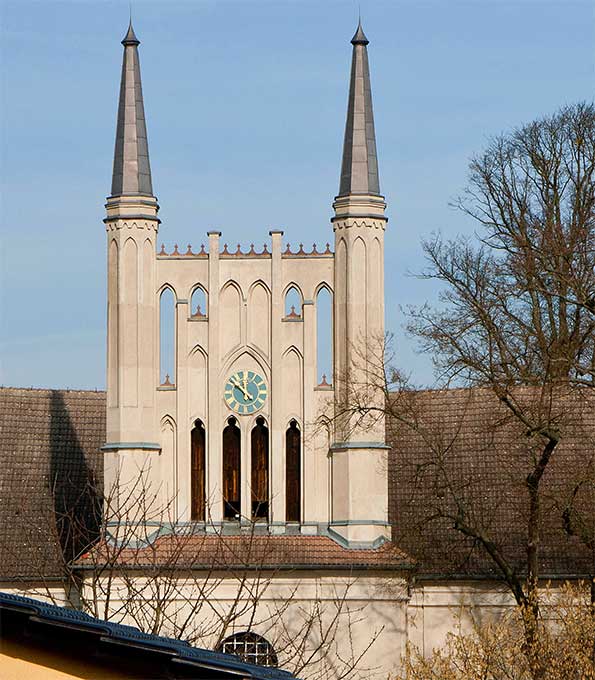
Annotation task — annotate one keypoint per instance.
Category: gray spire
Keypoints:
(360, 37)
(359, 171)
(130, 38)
(132, 171)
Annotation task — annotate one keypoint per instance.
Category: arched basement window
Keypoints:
(251, 648)
(293, 473)
(197, 472)
(198, 304)
(167, 338)
(232, 498)
(324, 337)
(260, 470)
(293, 303)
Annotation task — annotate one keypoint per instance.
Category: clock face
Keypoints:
(245, 392)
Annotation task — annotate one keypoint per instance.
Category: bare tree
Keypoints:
(135, 563)
(516, 325)
(519, 309)
(516, 310)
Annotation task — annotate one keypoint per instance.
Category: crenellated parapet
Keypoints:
(239, 253)
(250, 253)
(313, 253)
(175, 253)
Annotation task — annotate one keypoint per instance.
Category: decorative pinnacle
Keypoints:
(360, 37)
(359, 169)
(130, 38)
(132, 170)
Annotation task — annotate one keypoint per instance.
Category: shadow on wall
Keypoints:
(76, 496)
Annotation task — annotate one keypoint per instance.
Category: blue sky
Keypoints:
(246, 105)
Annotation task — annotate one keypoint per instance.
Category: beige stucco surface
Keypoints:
(245, 326)
(23, 662)
(362, 613)
(383, 607)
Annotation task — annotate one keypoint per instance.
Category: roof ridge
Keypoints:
(66, 390)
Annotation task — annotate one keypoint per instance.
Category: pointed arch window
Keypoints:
(197, 472)
(232, 455)
(167, 338)
(293, 303)
(198, 304)
(324, 335)
(260, 470)
(293, 473)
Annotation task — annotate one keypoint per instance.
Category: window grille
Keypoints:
(251, 648)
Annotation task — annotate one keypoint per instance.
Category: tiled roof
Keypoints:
(49, 453)
(49, 456)
(94, 637)
(486, 459)
(250, 551)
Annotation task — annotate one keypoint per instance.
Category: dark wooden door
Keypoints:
(293, 473)
(197, 473)
(260, 470)
(232, 499)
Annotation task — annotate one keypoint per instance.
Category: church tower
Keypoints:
(359, 452)
(234, 439)
(131, 225)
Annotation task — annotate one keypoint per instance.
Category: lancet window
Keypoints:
(293, 303)
(293, 473)
(167, 337)
(232, 445)
(197, 472)
(324, 335)
(198, 304)
(260, 470)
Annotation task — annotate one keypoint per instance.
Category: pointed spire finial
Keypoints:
(360, 37)
(130, 37)
(132, 170)
(359, 169)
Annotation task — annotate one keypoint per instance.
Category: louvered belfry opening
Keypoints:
(260, 470)
(232, 453)
(293, 473)
(197, 472)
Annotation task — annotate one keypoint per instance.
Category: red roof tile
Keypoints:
(248, 552)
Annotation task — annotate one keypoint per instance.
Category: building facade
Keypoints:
(299, 521)
(245, 427)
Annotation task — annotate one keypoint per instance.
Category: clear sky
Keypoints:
(246, 103)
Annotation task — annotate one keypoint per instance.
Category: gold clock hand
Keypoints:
(240, 387)
(247, 395)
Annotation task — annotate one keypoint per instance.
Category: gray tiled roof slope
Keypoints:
(49, 456)
(132, 638)
(486, 457)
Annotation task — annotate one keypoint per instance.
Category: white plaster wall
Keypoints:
(357, 609)
(48, 592)
(437, 608)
